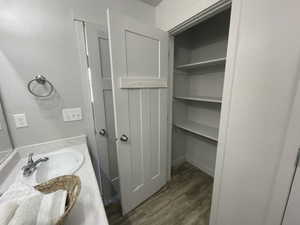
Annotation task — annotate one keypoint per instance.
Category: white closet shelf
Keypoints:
(199, 129)
(200, 99)
(211, 62)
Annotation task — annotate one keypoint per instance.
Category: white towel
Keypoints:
(26, 213)
(18, 191)
(7, 210)
(35, 208)
(52, 208)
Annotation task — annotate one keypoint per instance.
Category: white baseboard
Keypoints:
(205, 169)
(178, 161)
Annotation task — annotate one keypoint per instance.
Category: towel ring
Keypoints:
(39, 79)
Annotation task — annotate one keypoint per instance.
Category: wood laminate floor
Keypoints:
(185, 200)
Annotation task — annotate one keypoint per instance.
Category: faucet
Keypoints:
(31, 165)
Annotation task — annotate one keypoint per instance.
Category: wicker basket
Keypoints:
(70, 183)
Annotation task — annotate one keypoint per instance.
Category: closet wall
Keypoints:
(199, 58)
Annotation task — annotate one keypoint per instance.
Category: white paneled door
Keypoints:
(139, 67)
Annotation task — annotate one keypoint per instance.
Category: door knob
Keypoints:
(102, 132)
(124, 138)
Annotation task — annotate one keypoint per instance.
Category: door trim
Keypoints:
(170, 107)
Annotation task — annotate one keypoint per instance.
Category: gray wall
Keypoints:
(38, 37)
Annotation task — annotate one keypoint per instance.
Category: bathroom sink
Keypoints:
(63, 162)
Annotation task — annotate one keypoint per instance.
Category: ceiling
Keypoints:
(152, 2)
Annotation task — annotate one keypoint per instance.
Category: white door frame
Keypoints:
(170, 108)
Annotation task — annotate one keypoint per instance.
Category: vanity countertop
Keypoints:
(89, 209)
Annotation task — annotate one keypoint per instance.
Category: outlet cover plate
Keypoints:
(20, 120)
(72, 114)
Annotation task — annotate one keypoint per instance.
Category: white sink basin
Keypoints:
(63, 162)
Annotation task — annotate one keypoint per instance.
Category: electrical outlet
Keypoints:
(20, 120)
(72, 114)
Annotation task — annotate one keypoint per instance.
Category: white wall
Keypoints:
(170, 13)
(38, 37)
(264, 58)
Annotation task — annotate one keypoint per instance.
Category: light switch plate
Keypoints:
(20, 120)
(72, 114)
